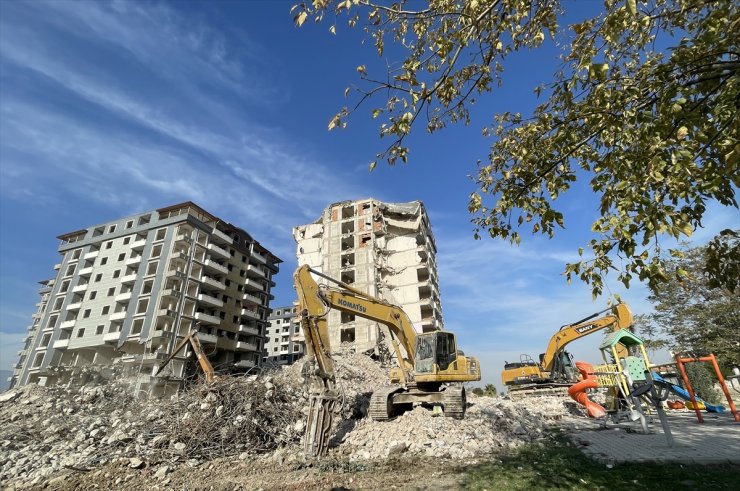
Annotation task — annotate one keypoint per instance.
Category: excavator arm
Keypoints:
(205, 365)
(619, 318)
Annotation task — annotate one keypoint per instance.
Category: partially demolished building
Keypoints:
(127, 291)
(384, 249)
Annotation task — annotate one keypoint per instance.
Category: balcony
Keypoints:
(161, 334)
(258, 257)
(129, 278)
(255, 271)
(57, 266)
(212, 301)
(206, 280)
(244, 346)
(179, 256)
(86, 271)
(91, 255)
(123, 297)
(117, 316)
(245, 364)
(207, 319)
(138, 244)
(80, 288)
(253, 285)
(250, 330)
(61, 343)
(68, 324)
(74, 306)
(253, 314)
(216, 267)
(167, 313)
(207, 338)
(111, 337)
(171, 293)
(253, 299)
(218, 251)
(222, 236)
(133, 261)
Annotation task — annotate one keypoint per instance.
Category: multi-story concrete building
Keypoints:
(284, 342)
(384, 249)
(127, 291)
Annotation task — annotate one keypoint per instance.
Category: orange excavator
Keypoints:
(555, 371)
(205, 365)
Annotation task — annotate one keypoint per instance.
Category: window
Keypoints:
(37, 361)
(116, 273)
(146, 289)
(99, 330)
(295, 348)
(151, 268)
(65, 287)
(111, 229)
(129, 224)
(274, 349)
(156, 251)
(70, 270)
(76, 254)
(104, 261)
(111, 291)
(58, 303)
(109, 244)
(160, 234)
(98, 277)
(45, 340)
(106, 309)
(143, 304)
(136, 328)
(144, 219)
(126, 240)
(227, 282)
(93, 294)
(86, 314)
(122, 256)
(80, 333)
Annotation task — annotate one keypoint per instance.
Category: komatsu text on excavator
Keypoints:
(555, 368)
(428, 362)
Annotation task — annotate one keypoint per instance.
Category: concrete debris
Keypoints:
(47, 432)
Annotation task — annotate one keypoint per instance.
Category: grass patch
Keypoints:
(559, 465)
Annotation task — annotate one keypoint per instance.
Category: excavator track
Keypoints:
(381, 404)
(454, 402)
(517, 394)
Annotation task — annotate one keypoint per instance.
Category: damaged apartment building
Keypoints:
(126, 292)
(384, 249)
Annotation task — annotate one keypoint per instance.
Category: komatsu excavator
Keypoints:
(555, 369)
(428, 362)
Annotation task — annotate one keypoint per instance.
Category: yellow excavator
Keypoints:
(431, 368)
(205, 365)
(555, 368)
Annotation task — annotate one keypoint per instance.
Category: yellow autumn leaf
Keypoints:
(301, 18)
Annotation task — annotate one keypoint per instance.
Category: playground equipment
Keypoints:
(629, 381)
(680, 361)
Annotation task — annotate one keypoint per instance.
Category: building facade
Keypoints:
(384, 249)
(126, 292)
(284, 342)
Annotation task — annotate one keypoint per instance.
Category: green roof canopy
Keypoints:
(623, 336)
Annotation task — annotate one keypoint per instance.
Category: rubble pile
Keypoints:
(44, 431)
(489, 425)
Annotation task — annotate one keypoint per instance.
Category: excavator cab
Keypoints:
(435, 348)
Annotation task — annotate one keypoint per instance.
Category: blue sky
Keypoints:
(112, 108)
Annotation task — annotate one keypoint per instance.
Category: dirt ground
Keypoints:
(403, 473)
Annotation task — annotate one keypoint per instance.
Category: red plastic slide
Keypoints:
(578, 390)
